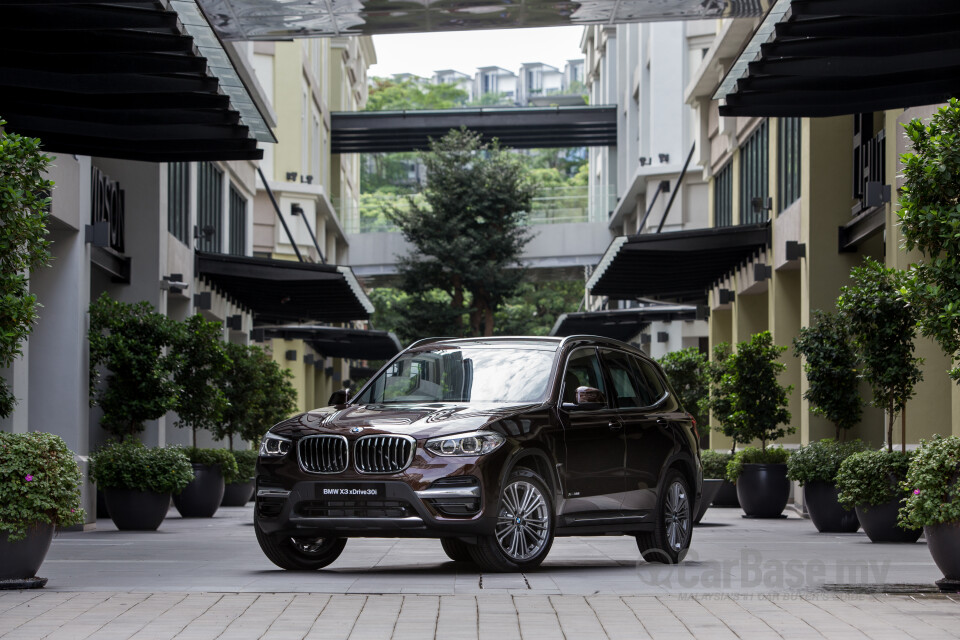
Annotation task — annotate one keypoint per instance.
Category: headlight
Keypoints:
(475, 443)
(274, 446)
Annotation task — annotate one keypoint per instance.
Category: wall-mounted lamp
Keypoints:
(97, 234)
(235, 322)
(308, 358)
(796, 250)
(726, 296)
(762, 271)
(258, 335)
(202, 301)
(203, 234)
(877, 194)
(644, 338)
(297, 210)
(662, 336)
(173, 283)
(703, 312)
(291, 355)
(759, 205)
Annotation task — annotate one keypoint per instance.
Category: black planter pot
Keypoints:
(102, 510)
(133, 510)
(201, 498)
(709, 492)
(943, 541)
(763, 490)
(21, 560)
(726, 495)
(825, 511)
(237, 494)
(879, 522)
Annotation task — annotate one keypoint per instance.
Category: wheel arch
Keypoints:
(538, 461)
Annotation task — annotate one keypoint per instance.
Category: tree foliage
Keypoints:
(259, 394)
(130, 465)
(884, 326)
(388, 94)
(469, 234)
(930, 221)
(689, 372)
(718, 404)
(535, 306)
(820, 461)
(933, 493)
(871, 478)
(130, 341)
(832, 365)
(200, 362)
(24, 202)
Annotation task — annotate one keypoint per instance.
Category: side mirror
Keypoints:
(338, 397)
(588, 399)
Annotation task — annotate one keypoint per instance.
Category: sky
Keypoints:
(424, 53)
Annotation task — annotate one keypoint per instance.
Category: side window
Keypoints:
(583, 370)
(651, 388)
(626, 389)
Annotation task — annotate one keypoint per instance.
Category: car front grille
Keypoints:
(323, 454)
(383, 454)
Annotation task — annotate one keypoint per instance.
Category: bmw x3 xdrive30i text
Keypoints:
(493, 445)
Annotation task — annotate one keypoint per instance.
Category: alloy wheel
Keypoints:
(523, 524)
(676, 515)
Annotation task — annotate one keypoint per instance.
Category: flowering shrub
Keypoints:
(871, 478)
(819, 461)
(933, 492)
(39, 482)
(753, 455)
(221, 457)
(130, 465)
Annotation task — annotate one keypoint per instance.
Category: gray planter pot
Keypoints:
(825, 511)
(133, 510)
(237, 494)
(201, 498)
(943, 541)
(710, 489)
(21, 560)
(727, 495)
(763, 489)
(879, 522)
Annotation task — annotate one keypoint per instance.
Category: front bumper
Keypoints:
(399, 512)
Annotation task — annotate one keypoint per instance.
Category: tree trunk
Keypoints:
(457, 303)
(890, 417)
(231, 442)
(488, 322)
(194, 437)
(903, 428)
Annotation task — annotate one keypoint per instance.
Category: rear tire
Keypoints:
(673, 528)
(299, 554)
(456, 550)
(524, 529)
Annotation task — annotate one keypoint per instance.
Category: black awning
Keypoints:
(520, 128)
(280, 291)
(336, 342)
(677, 265)
(813, 58)
(619, 324)
(133, 79)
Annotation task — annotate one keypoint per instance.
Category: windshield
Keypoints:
(475, 374)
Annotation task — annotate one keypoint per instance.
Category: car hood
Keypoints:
(427, 420)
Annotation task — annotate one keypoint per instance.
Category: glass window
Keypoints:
(209, 206)
(178, 201)
(754, 173)
(473, 374)
(651, 387)
(788, 162)
(623, 375)
(583, 370)
(723, 196)
(238, 223)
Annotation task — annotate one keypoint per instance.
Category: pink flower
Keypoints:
(916, 492)
(28, 478)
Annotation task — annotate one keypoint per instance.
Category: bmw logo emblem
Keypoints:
(356, 430)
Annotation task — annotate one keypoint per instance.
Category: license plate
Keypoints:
(359, 491)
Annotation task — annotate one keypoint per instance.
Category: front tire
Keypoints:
(299, 554)
(673, 528)
(456, 550)
(523, 533)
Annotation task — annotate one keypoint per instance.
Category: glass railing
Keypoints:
(551, 205)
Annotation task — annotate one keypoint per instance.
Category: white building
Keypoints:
(493, 81)
(456, 78)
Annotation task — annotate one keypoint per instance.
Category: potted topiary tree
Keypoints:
(869, 482)
(831, 364)
(815, 467)
(200, 362)
(758, 408)
(717, 405)
(39, 491)
(714, 466)
(259, 394)
(884, 326)
(137, 481)
(688, 372)
(933, 502)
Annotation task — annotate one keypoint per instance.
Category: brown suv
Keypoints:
(493, 445)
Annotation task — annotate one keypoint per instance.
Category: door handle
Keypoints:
(661, 422)
(615, 426)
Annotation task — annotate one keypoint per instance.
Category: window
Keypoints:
(723, 197)
(209, 207)
(623, 374)
(238, 223)
(788, 162)
(754, 174)
(651, 388)
(178, 201)
(583, 370)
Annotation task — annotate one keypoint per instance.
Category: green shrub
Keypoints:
(246, 464)
(688, 372)
(39, 482)
(933, 493)
(819, 461)
(221, 457)
(130, 465)
(870, 478)
(714, 464)
(753, 455)
(200, 364)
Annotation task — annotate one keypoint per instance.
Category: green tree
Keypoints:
(832, 367)
(388, 94)
(425, 314)
(689, 372)
(24, 202)
(535, 307)
(719, 403)
(200, 362)
(131, 342)
(930, 221)
(469, 233)
(491, 99)
(258, 392)
(884, 326)
(758, 401)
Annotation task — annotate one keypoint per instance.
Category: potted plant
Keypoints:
(200, 363)
(137, 482)
(39, 491)
(714, 465)
(815, 467)
(869, 482)
(212, 469)
(760, 476)
(688, 372)
(717, 407)
(933, 502)
(757, 409)
(239, 492)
